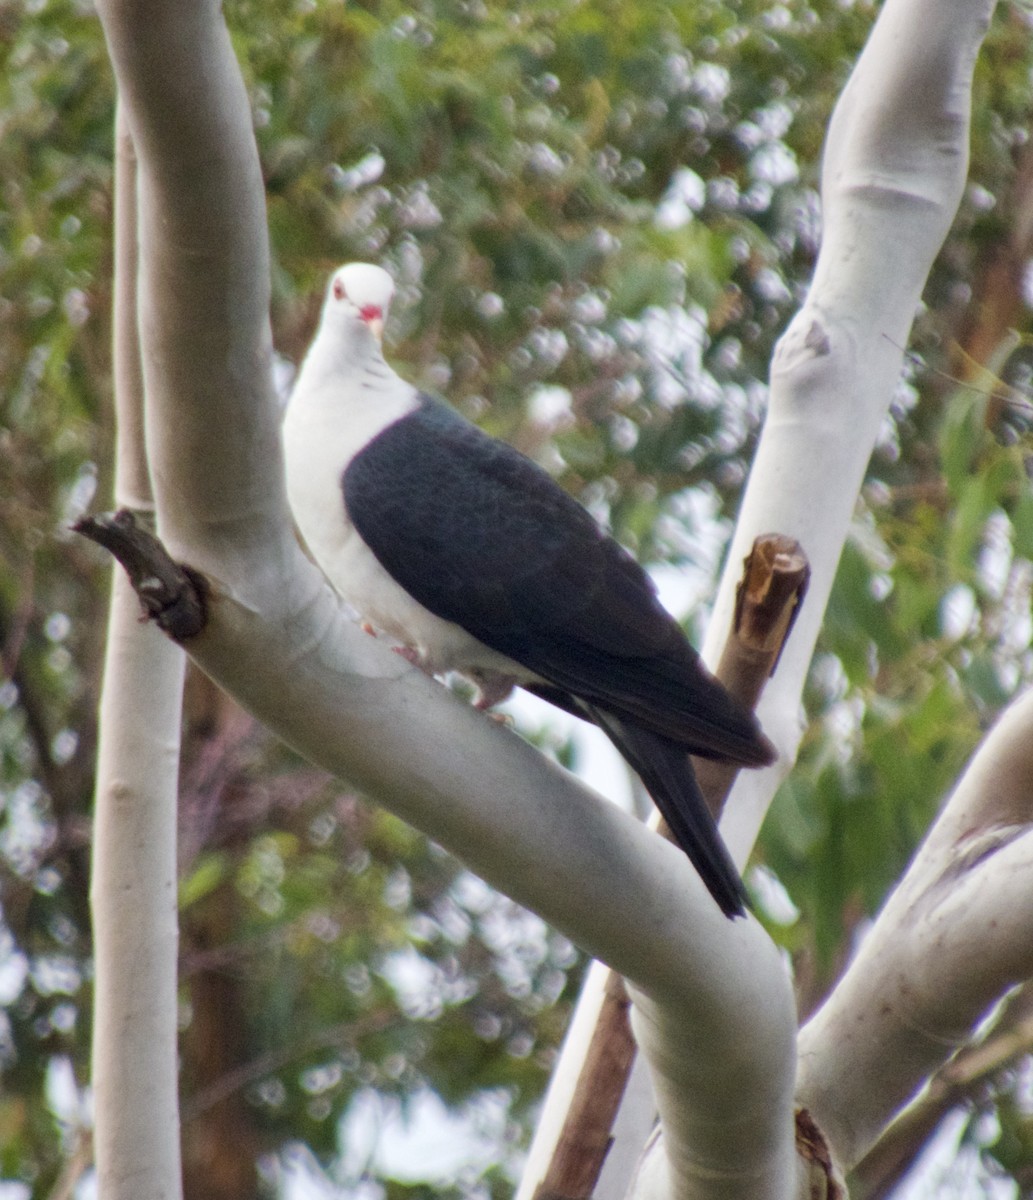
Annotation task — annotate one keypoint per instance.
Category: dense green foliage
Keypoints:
(601, 216)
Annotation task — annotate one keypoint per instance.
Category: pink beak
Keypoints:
(373, 315)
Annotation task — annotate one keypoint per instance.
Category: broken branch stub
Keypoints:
(171, 594)
(767, 600)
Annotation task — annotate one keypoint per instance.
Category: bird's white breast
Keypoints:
(324, 428)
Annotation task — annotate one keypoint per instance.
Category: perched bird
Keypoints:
(477, 561)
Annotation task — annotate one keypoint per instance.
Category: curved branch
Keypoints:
(951, 939)
(961, 1083)
(895, 163)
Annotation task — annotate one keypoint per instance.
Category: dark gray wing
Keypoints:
(483, 537)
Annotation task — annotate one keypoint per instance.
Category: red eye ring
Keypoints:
(339, 292)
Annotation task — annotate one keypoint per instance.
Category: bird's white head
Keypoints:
(347, 342)
(359, 295)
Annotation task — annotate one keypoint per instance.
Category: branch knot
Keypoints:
(171, 594)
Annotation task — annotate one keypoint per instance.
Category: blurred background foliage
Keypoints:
(601, 216)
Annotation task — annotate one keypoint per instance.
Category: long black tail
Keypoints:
(666, 771)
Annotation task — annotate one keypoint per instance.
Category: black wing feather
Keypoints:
(482, 536)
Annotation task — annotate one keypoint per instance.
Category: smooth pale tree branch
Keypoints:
(277, 640)
(953, 937)
(133, 886)
(960, 1083)
(894, 169)
(896, 159)
(720, 1136)
(481, 792)
(132, 477)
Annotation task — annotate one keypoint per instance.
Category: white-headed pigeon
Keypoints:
(477, 561)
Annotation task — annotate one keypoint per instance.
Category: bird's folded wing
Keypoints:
(483, 537)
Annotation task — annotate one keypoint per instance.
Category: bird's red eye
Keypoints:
(371, 312)
(339, 292)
